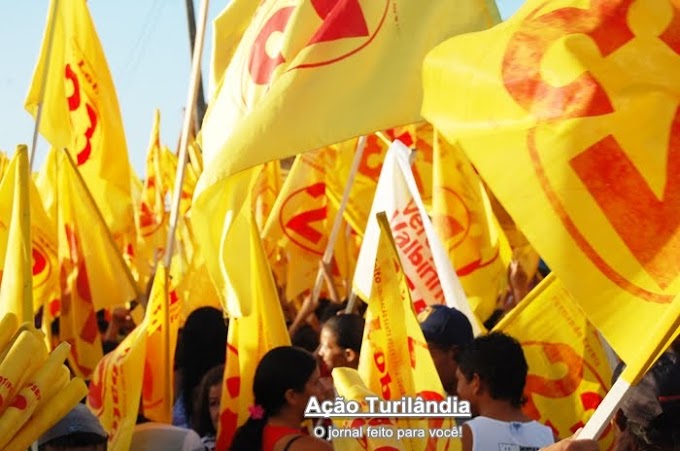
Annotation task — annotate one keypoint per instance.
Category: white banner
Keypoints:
(429, 271)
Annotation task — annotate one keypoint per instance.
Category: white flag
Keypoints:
(430, 274)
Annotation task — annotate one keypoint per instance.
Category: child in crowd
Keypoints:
(207, 407)
(492, 372)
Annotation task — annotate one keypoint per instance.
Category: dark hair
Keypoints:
(499, 361)
(74, 440)
(280, 370)
(202, 423)
(306, 338)
(348, 330)
(201, 345)
(328, 309)
(494, 318)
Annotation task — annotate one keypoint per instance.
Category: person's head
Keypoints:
(492, 367)
(649, 418)
(446, 331)
(340, 340)
(306, 338)
(200, 346)
(79, 430)
(285, 379)
(207, 405)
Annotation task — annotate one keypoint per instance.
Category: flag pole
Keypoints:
(119, 255)
(43, 85)
(181, 166)
(330, 246)
(186, 129)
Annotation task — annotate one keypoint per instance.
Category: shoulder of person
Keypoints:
(307, 443)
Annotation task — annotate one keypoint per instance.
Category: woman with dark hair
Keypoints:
(201, 345)
(207, 406)
(341, 338)
(285, 379)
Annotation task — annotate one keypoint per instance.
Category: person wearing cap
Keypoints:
(79, 430)
(446, 331)
(649, 417)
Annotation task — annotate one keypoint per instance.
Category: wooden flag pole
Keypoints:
(43, 85)
(330, 246)
(179, 177)
(186, 129)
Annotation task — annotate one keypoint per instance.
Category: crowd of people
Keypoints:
(489, 371)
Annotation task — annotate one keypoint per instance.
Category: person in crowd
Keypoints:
(573, 444)
(340, 341)
(306, 338)
(649, 418)
(207, 407)
(492, 372)
(79, 430)
(152, 436)
(285, 379)
(200, 346)
(446, 331)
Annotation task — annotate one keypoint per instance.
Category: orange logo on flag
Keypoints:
(80, 104)
(646, 220)
(299, 227)
(577, 369)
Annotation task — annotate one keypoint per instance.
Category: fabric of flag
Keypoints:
(569, 373)
(115, 390)
(157, 387)
(394, 359)
(250, 336)
(351, 387)
(44, 267)
(228, 29)
(571, 112)
(93, 272)
(16, 278)
(301, 220)
(462, 218)
(4, 163)
(282, 93)
(415, 136)
(80, 110)
(429, 272)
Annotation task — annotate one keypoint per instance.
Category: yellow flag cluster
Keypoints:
(37, 390)
(569, 373)
(584, 160)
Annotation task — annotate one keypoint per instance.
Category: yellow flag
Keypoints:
(16, 279)
(462, 217)
(94, 274)
(265, 192)
(394, 359)
(44, 266)
(195, 288)
(152, 225)
(569, 374)
(251, 336)
(80, 110)
(300, 54)
(351, 387)
(116, 388)
(582, 153)
(301, 219)
(157, 388)
(228, 29)
(4, 163)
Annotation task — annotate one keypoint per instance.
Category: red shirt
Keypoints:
(272, 434)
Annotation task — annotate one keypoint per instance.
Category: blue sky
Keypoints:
(147, 47)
